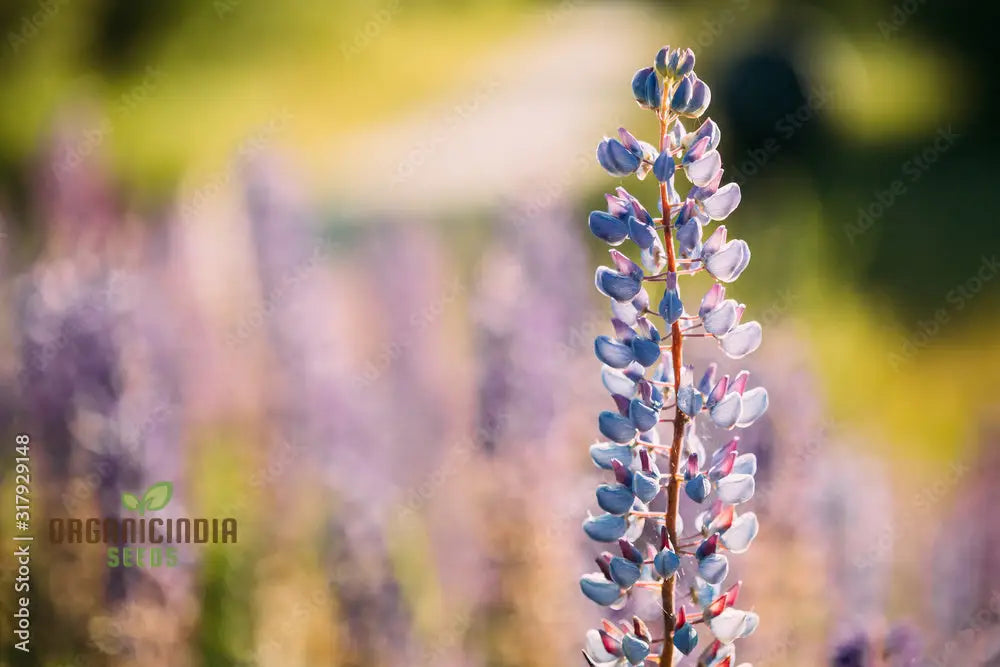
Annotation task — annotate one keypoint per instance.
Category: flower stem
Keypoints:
(676, 344)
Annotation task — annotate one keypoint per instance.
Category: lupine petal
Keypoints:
(739, 535)
(713, 568)
(595, 648)
(714, 242)
(718, 391)
(722, 319)
(735, 489)
(617, 382)
(686, 638)
(645, 351)
(725, 413)
(709, 129)
(729, 625)
(635, 649)
(701, 97)
(745, 464)
(608, 228)
(696, 151)
(689, 400)
(612, 352)
(615, 427)
(615, 499)
(707, 380)
(625, 160)
(682, 95)
(603, 453)
(664, 167)
(671, 307)
(645, 486)
(595, 651)
(755, 404)
(666, 562)
(741, 341)
(704, 169)
(618, 286)
(624, 572)
(639, 86)
(641, 233)
(697, 488)
(713, 297)
(643, 416)
(605, 528)
(626, 312)
(596, 587)
(723, 202)
(688, 237)
(729, 261)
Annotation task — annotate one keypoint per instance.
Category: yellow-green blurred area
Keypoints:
(354, 220)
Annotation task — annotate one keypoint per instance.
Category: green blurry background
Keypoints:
(862, 134)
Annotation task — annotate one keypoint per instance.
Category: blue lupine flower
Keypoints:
(673, 89)
(608, 228)
(685, 638)
(647, 88)
(635, 649)
(616, 159)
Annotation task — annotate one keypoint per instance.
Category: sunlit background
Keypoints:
(325, 266)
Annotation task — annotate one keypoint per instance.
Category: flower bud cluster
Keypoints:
(649, 384)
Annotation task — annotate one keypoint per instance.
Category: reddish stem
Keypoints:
(680, 419)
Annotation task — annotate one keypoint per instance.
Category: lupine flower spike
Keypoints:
(644, 371)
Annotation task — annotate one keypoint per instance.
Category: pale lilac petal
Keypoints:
(725, 413)
(743, 531)
(723, 202)
(704, 169)
(755, 404)
(742, 341)
(735, 489)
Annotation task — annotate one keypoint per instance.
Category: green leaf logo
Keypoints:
(156, 498)
(129, 501)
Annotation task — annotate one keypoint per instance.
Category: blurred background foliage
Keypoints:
(862, 133)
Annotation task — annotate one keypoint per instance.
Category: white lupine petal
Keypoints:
(616, 382)
(735, 489)
(742, 341)
(725, 264)
(741, 534)
(595, 647)
(704, 169)
(755, 404)
(745, 464)
(723, 202)
(729, 625)
(722, 319)
(725, 413)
